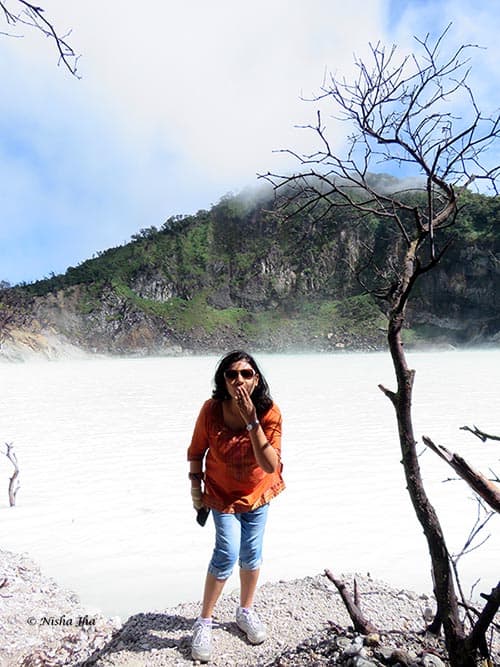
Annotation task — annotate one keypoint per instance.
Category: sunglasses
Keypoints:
(246, 374)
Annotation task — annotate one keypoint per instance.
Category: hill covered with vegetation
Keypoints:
(243, 274)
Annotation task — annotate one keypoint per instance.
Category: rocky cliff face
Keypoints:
(240, 276)
(460, 299)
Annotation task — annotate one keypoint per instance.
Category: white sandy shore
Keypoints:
(46, 626)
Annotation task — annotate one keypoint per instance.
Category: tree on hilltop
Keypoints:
(416, 114)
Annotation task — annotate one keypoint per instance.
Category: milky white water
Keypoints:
(105, 507)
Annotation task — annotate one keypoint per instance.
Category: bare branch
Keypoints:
(482, 486)
(13, 482)
(486, 617)
(33, 16)
(480, 434)
(482, 518)
(391, 395)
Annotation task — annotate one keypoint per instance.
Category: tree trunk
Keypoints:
(459, 654)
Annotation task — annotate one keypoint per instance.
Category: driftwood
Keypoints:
(13, 482)
(488, 491)
(361, 624)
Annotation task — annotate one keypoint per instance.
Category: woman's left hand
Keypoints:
(245, 405)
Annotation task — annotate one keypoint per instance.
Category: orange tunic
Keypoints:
(234, 482)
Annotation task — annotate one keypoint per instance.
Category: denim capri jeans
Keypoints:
(237, 535)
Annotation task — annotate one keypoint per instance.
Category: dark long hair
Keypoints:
(261, 397)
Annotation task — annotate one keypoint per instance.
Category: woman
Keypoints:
(238, 437)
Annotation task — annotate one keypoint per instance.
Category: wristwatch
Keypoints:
(252, 425)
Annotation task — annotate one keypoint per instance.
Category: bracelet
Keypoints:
(252, 425)
(198, 476)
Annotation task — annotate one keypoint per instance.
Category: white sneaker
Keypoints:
(201, 644)
(248, 621)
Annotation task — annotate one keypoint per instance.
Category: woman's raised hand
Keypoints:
(245, 405)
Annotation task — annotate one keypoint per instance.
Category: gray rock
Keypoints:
(343, 643)
(431, 660)
(385, 652)
(359, 661)
(355, 647)
(398, 655)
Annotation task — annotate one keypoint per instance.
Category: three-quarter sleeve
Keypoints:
(271, 424)
(199, 442)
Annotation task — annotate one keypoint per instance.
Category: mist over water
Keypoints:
(104, 504)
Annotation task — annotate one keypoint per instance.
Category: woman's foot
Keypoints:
(248, 621)
(201, 645)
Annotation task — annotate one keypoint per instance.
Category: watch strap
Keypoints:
(250, 426)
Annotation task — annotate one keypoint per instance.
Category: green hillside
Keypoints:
(244, 274)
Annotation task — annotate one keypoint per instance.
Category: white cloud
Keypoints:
(179, 103)
(218, 83)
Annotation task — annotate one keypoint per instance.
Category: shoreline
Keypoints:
(24, 355)
(25, 344)
(307, 622)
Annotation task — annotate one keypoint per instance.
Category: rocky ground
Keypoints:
(42, 625)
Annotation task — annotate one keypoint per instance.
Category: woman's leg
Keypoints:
(225, 554)
(252, 536)
(227, 539)
(213, 589)
(248, 585)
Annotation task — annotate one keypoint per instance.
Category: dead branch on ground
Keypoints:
(361, 624)
(13, 482)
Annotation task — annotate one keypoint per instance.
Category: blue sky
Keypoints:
(178, 104)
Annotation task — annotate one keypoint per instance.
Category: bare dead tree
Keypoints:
(417, 113)
(19, 13)
(13, 481)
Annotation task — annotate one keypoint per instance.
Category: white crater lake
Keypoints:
(104, 505)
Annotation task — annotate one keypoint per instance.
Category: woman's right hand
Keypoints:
(196, 496)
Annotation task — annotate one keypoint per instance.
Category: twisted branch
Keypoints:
(33, 16)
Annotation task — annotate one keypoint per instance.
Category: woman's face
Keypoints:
(240, 373)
